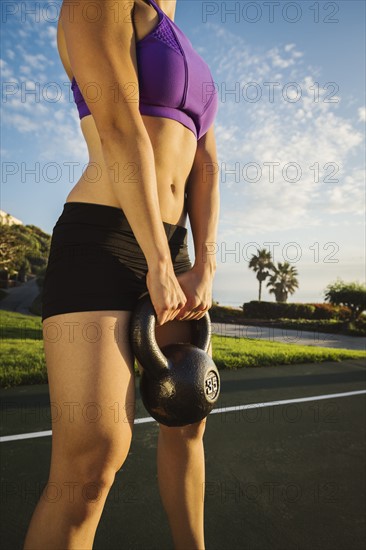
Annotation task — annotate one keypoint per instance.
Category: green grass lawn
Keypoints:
(235, 353)
(23, 361)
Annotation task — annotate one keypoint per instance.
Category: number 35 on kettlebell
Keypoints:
(180, 383)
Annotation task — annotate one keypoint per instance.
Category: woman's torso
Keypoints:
(169, 139)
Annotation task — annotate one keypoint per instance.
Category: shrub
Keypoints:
(276, 310)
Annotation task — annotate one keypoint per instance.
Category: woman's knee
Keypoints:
(99, 469)
(83, 481)
(191, 432)
(96, 456)
(93, 473)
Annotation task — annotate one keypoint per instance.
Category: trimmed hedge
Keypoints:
(276, 310)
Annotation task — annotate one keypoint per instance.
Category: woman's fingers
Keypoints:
(193, 313)
(166, 294)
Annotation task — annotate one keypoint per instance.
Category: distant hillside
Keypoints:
(23, 249)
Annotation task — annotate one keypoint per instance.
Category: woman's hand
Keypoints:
(165, 292)
(197, 287)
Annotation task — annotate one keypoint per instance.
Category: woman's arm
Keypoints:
(100, 40)
(203, 203)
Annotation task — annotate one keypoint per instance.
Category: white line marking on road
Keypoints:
(32, 435)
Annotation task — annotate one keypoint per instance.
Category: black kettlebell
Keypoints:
(180, 383)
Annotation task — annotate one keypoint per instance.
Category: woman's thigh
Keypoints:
(91, 384)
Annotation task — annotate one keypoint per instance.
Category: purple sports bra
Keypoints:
(174, 81)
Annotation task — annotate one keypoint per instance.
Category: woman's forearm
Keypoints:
(133, 178)
(203, 207)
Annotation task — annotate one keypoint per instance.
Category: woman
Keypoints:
(150, 137)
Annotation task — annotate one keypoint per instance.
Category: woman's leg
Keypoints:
(181, 474)
(181, 463)
(92, 394)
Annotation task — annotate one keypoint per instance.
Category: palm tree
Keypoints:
(283, 281)
(260, 263)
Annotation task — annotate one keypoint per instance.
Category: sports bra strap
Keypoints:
(156, 6)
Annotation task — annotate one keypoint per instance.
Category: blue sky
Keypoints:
(292, 163)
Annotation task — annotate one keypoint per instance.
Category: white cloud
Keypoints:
(362, 114)
(308, 131)
(6, 72)
(37, 61)
(25, 69)
(10, 53)
(288, 47)
(278, 60)
(47, 36)
(23, 123)
(52, 35)
(349, 197)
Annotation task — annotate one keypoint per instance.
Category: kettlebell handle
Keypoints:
(142, 335)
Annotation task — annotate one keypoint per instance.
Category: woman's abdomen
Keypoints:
(174, 149)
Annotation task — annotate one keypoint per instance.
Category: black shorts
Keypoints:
(96, 263)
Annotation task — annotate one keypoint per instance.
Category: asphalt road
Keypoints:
(289, 336)
(20, 298)
(285, 466)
